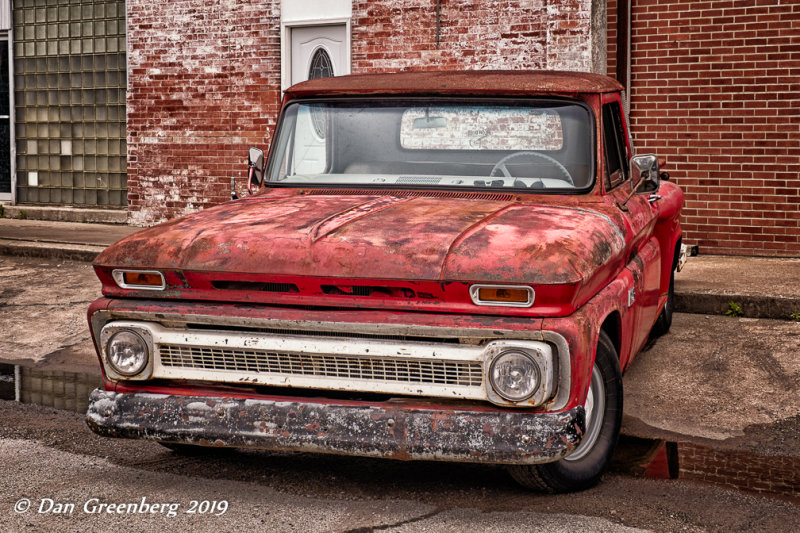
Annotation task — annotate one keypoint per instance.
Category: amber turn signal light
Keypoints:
(502, 295)
(139, 279)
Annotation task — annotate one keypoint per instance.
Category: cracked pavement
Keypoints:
(43, 306)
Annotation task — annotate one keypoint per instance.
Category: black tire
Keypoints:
(664, 320)
(584, 467)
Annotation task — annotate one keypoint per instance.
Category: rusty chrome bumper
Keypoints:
(390, 431)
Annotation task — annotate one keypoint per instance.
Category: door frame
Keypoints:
(8, 35)
(286, 43)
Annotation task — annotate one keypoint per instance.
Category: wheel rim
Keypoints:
(595, 407)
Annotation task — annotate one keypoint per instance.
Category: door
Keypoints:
(5, 123)
(640, 218)
(317, 52)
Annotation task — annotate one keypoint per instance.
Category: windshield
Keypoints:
(545, 145)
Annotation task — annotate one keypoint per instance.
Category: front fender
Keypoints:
(582, 331)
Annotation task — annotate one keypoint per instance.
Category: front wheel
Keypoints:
(583, 468)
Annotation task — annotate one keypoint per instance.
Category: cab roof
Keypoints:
(471, 82)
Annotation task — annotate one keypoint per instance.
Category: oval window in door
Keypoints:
(321, 67)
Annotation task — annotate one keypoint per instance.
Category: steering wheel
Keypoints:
(501, 165)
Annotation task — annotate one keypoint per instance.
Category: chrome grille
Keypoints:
(394, 370)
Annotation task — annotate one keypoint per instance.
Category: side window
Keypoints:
(616, 150)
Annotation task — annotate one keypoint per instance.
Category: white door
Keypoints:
(317, 52)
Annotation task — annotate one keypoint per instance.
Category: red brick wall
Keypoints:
(204, 77)
(716, 89)
(497, 34)
(611, 37)
(203, 86)
(741, 470)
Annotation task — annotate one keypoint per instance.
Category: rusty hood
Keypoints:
(381, 236)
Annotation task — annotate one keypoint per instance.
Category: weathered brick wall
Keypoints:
(204, 77)
(716, 89)
(203, 86)
(497, 34)
(777, 475)
(611, 37)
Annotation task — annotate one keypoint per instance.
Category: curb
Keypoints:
(66, 214)
(74, 252)
(753, 306)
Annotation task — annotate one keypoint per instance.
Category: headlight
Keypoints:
(514, 375)
(127, 353)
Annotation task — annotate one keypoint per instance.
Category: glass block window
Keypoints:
(69, 83)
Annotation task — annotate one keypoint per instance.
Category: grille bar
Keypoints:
(389, 370)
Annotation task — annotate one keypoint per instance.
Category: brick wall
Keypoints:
(496, 34)
(741, 470)
(716, 89)
(611, 37)
(203, 86)
(204, 77)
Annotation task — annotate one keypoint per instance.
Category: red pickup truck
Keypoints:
(452, 266)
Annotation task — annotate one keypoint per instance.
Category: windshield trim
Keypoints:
(517, 101)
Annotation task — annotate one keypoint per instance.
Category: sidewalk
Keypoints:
(764, 287)
(58, 240)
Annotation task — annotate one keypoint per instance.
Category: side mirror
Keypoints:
(255, 160)
(645, 176)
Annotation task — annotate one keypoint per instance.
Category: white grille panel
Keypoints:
(394, 370)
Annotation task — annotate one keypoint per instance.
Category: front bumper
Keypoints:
(396, 431)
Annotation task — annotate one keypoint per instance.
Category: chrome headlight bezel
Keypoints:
(543, 355)
(143, 371)
(532, 372)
